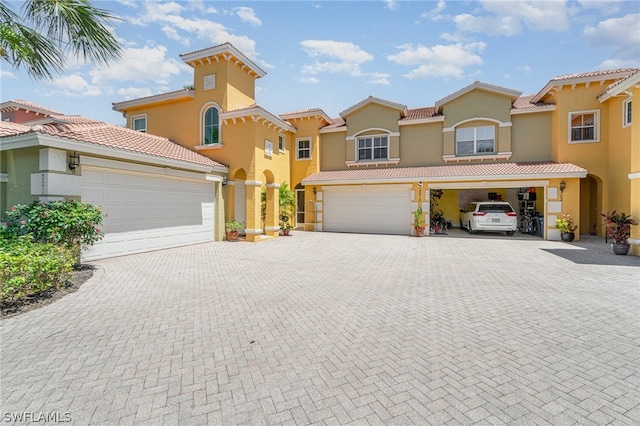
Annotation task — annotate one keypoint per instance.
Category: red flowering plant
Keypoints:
(67, 222)
(618, 226)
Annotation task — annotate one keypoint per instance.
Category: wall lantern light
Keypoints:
(224, 181)
(563, 185)
(314, 190)
(74, 162)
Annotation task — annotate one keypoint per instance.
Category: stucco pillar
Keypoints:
(253, 225)
(272, 221)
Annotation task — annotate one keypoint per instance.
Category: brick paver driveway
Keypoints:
(333, 328)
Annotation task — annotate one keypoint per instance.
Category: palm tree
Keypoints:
(46, 30)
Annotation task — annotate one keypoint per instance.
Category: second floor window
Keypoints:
(304, 149)
(140, 124)
(626, 111)
(584, 126)
(211, 126)
(373, 148)
(475, 140)
(280, 142)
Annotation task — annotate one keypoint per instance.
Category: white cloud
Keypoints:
(141, 64)
(391, 4)
(134, 92)
(379, 78)
(6, 74)
(510, 17)
(247, 14)
(434, 14)
(617, 33)
(604, 6)
(612, 64)
(170, 15)
(348, 57)
(74, 85)
(440, 60)
(311, 80)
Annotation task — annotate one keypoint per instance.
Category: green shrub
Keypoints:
(67, 222)
(28, 268)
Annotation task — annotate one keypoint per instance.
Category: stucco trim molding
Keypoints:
(469, 158)
(4, 177)
(273, 185)
(252, 183)
(635, 175)
(253, 231)
(389, 162)
(272, 228)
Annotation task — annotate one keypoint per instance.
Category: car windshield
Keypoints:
(495, 208)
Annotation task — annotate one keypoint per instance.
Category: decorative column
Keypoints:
(272, 221)
(253, 226)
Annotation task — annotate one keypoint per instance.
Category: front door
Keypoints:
(240, 203)
(300, 219)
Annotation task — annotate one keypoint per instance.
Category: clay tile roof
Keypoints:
(420, 113)
(449, 172)
(526, 102)
(338, 122)
(108, 135)
(590, 74)
(28, 106)
(8, 128)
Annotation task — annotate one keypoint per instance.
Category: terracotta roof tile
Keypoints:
(108, 135)
(8, 128)
(448, 172)
(525, 102)
(29, 106)
(600, 73)
(420, 113)
(337, 123)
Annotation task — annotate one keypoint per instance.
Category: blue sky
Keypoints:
(333, 54)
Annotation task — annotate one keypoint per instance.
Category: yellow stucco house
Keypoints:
(209, 151)
(571, 148)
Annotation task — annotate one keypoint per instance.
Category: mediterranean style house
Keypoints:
(574, 147)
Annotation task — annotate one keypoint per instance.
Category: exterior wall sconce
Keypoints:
(224, 181)
(563, 185)
(314, 191)
(74, 162)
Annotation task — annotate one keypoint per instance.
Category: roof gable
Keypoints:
(226, 52)
(372, 100)
(478, 85)
(585, 77)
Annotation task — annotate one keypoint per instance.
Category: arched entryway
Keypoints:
(591, 205)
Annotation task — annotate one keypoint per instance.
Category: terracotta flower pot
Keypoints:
(232, 235)
(419, 231)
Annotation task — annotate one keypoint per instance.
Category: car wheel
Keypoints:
(470, 228)
(510, 233)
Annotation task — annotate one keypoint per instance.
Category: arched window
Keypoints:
(211, 130)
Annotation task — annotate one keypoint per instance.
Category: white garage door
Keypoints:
(368, 209)
(146, 211)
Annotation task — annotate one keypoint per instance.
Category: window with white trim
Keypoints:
(139, 123)
(475, 140)
(373, 147)
(626, 113)
(268, 148)
(584, 126)
(211, 127)
(303, 149)
(281, 143)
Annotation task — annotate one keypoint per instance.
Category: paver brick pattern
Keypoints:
(322, 328)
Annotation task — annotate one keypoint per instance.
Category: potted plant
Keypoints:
(619, 229)
(418, 222)
(233, 225)
(566, 226)
(285, 226)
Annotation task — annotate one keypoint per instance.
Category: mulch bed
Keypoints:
(80, 275)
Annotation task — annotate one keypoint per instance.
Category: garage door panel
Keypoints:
(146, 212)
(382, 211)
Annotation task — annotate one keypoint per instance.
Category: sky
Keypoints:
(333, 54)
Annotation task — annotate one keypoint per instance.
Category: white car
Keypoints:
(497, 216)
